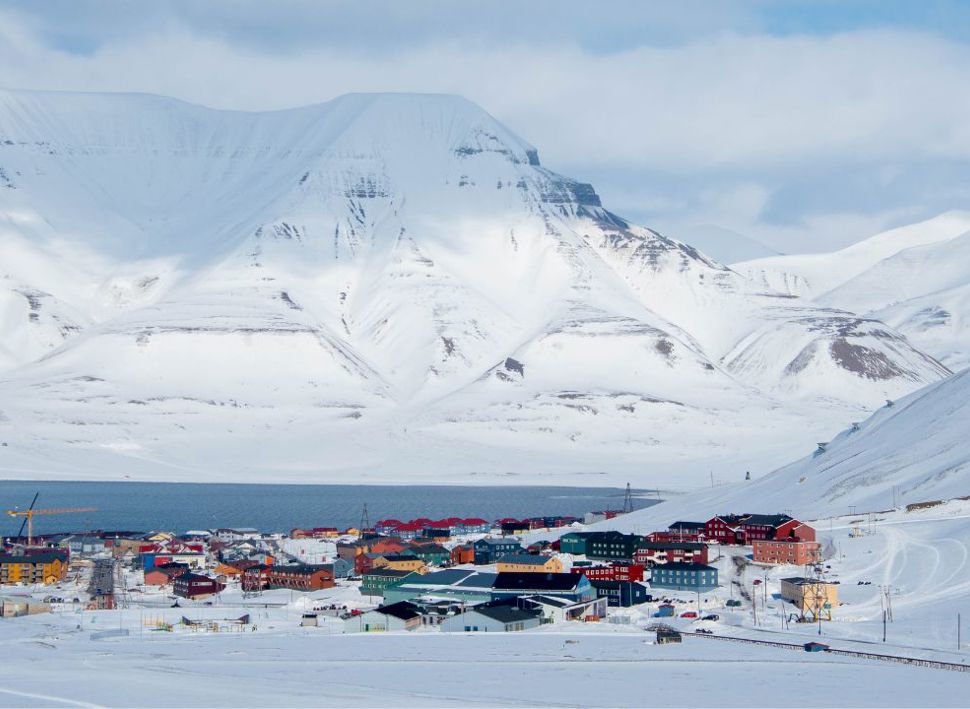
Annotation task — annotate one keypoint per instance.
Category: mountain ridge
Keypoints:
(405, 285)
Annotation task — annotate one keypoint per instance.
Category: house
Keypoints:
(463, 554)
(614, 571)
(17, 606)
(574, 542)
(814, 598)
(795, 553)
(341, 568)
(724, 529)
(684, 577)
(684, 531)
(164, 575)
(438, 534)
(473, 525)
(756, 527)
(572, 586)
(793, 530)
(557, 609)
(195, 586)
(255, 578)
(237, 534)
(488, 551)
(396, 616)
(377, 581)
(653, 553)
(390, 545)
(81, 545)
(667, 635)
(400, 562)
(432, 554)
(47, 567)
(600, 516)
(512, 527)
(529, 563)
(612, 546)
(492, 618)
(622, 594)
(461, 585)
(301, 577)
(365, 562)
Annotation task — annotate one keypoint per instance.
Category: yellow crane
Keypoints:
(29, 513)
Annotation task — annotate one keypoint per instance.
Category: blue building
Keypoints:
(488, 551)
(684, 577)
(622, 594)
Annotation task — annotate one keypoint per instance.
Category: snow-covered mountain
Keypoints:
(386, 287)
(915, 278)
(723, 244)
(913, 451)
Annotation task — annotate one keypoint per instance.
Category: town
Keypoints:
(467, 575)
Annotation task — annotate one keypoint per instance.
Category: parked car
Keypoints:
(711, 616)
(688, 614)
(733, 603)
(705, 631)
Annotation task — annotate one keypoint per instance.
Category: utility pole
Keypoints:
(754, 605)
(712, 478)
(884, 626)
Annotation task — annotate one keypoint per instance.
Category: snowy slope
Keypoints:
(383, 285)
(723, 244)
(915, 279)
(916, 450)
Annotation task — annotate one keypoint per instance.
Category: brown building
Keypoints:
(164, 575)
(301, 577)
(795, 553)
(196, 586)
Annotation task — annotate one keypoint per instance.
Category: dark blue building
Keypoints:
(622, 594)
(684, 577)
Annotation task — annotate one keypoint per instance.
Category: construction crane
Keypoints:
(29, 513)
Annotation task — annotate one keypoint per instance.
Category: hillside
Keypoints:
(915, 278)
(914, 451)
(382, 287)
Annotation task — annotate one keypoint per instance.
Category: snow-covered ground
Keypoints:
(50, 661)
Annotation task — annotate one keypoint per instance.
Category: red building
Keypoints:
(195, 586)
(615, 571)
(463, 554)
(302, 577)
(748, 528)
(255, 578)
(654, 553)
(724, 529)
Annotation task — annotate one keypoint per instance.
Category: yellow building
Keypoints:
(529, 564)
(400, 562)
(813, 598)
(45, 568)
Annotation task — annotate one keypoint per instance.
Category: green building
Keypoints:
(376, 582)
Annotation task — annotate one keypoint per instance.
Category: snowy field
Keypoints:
(51, 663)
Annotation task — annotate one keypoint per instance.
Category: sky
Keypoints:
(803, 125)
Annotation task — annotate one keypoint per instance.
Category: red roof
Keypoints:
(474, 521)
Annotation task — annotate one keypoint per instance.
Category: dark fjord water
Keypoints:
(276, 508)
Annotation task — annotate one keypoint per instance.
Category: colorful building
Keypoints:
(378, 581)
(43, 568)
(795, 553)
(302, 577)
(812, 597)
(529, 563)
(684, 577)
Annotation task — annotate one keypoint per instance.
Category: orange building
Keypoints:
(795, 553)
(44, 568)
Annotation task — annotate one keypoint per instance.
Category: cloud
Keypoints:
(744, 115)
